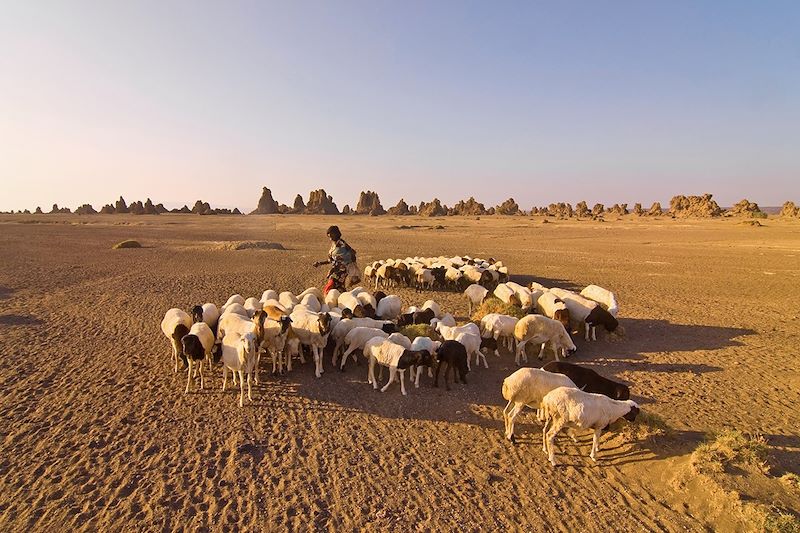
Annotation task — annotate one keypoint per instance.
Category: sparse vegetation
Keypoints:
(418, 330)
(127, 244)
(780, 521)
(646, 426)
(495, 305)
(791, 479)
(731, 446)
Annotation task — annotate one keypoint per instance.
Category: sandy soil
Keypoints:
(96, 433)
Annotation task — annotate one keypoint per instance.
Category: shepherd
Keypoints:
(342, 258)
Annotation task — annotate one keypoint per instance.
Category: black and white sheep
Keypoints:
(590, 381)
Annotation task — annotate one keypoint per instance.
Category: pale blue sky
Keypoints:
(564, 101)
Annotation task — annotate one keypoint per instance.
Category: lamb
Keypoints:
(233, 323)
(475, 295)
(553, 307)
(341, 329)
(394, 356)
(332, 298)
(251, 305)
(525, 296)
(425, 278)
(453, 357)
(527, 387)
(175, 325)
(590, 313)
(602, 296)
(311, 302)
(271, 336)
(425, 343)
(590, 381)
(417, 317)
(356, 338)
(389, 307)
(288, 300)
(541, 330)
(239, 354)
(399, 338)
(571, 407)
(197, 345)
(450, 333)
(312, 329)
(368, 302)
(499, 327)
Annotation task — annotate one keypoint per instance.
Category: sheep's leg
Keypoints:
(241, 388)
(544, 434)
(481, 356)
(347, 353)
(416, 381)
(317, 362)
(430, 371)
(175, 356)
(224, 377)
(519, 352)
(515, 411)
(595, 444)
(188, 377)
(402, 381)
(255, 368)
(436, 379)
(506, 412)
(392, 377)
(541, 351)
(586, 329)
(233, 373)
(249, 391)
(202, 383)
(551, 441)
(594, 332)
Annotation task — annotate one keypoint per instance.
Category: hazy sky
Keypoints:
(543, 101)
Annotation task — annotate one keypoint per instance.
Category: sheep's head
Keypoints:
(631, 415)
(358, 311)
(247, 347)
(514, 300)
(621, 392)
(424, 358)
(347, 313)
(380, 295)
(562, 315)
(324, 323)
(369, 311)
(197, 313)
(286, 323)
(388, 327)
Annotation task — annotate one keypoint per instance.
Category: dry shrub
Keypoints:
(495, 305)
(791, 479)
(418, 330)
(257, 245)
(127, 244)
(731, 446)
(647, 426)
(780, 521)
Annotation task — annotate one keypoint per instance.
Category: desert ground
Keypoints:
(97, 434)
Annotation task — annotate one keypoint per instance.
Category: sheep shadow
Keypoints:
(19, 320)
(6, 292)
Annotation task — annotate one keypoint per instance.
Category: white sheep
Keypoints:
(425, 278)
(447, 319)
(207, 313)
(251, 305)
(340, 330)
(475, 295)
(357, 337)
(332, 298)
(312, 329)
(507, 295)
(311, 302)
(574, 408)
(527, 387)
(235, 299)
(580, 309)
(433, 306)
(389, 307)
(396, 357)
(348, 300)
(424, 343)
(235, 308)
(539, 329)
(269, 294)
(316, 291)
(604, 297)
(472, 342)
(449, 333)
(175, 325)
(288, 300)
(239, 354)
(525, 295)
(499, 327)
(366, 299)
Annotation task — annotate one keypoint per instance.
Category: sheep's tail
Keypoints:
(507, 392)
(242, 353)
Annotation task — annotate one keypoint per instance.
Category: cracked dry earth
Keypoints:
(96, 433)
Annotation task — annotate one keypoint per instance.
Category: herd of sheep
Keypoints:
(343, 324)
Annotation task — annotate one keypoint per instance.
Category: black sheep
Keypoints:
(590, 381)
(452, 355)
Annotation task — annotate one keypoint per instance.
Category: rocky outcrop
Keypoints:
(618, 209)
(582, 210)
(560, 210)
(509, 207)
(201, 208)
(266, 204)
(38, 211)
(299, 206)
(469, 207)
(86, 209)
(346, 210)
(59, 210)
(120, 207)
(598, 210)
(400, 209)
(432, 209)
(369, 204)
(747, 209)
(655, 210)
(320, 203)
(790, 210)
(694, 206)
(637, 209)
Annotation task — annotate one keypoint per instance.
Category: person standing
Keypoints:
(342, 258)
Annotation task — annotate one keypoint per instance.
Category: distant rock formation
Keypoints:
(412, 210)
(299, 206)
(432, 209)
(618, 209)
(637, 209)
(120, 207)
(469, 207)
(745, 208)
(346, 210)
(694, 206)
(38, 211)
(85, 209)
(107, 209)
(201, 208)
(655, 210)
(598, 210)
(369, 204)
(582, 210)
(509, 207)
(790, 210)
(320, 203)
(136, 208)
(266, 204)
(400, 209)
(560, 210)
(59, 210)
